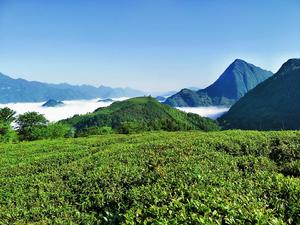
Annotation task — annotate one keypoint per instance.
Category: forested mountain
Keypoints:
(141, 114)
(20, 90)
(235, 82)
(272, 105)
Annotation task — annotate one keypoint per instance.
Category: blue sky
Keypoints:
(151, 45)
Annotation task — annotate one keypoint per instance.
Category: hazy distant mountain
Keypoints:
(106, 100)
(235, 82)
(272, 105)
(53, 103)
(160, 98)
(20, 90)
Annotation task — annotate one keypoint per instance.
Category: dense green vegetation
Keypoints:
(272, 105)
(235, 82)
(139, 114)
(230, 177)
(30, 126)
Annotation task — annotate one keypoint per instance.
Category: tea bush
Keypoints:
(231, 177)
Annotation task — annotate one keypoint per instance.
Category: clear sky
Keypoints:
(152, 45)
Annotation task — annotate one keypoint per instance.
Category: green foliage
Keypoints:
(7, 115)
(141, 114)
(56, 130)
(232, 177)
(7, 134)
(131, 127)
(94, 131)
(31, 126)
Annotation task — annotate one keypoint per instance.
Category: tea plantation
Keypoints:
(230, 177)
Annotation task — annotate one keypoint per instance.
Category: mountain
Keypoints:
(235, 82)
(272, 105)
(52, 103)
(145, 113)
(106, 100)
(20, 90)
(160, 98)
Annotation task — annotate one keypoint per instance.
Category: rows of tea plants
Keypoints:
(230, 177)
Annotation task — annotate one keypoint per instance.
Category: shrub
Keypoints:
(7, 134)
(57, 130)
(94, 131)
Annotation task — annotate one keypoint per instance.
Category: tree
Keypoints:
(7, 115)
(131, 127)
(30, 126)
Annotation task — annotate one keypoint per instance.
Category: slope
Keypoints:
(144, 113)
(235, 82)
(272, 105)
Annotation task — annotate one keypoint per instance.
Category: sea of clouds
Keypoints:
(212, 112)
(71, 108)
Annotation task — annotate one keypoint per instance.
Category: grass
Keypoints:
(231, 177)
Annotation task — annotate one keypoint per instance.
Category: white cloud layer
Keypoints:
(71, 108)
(212, 112)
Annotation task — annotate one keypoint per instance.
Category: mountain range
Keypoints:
(234, 83)
(20, 90)
(272, 105)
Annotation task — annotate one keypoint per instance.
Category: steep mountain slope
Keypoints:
(187, 97)
(144, 112)
(235, 82)
(272, 105)
(20, 90)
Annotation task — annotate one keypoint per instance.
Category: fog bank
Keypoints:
(53, 114)
(70, 108)
(212, 112)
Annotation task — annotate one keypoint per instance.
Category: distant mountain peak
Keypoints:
(271, 105)
(238, 78)
(240, 61)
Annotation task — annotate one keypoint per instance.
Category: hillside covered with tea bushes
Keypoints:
(229, 177)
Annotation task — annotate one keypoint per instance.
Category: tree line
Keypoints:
(29, 126)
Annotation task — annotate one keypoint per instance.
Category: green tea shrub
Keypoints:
(94, 131)
(291, 168)
(157, 177)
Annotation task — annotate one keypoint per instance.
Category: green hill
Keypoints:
(272, 105)
(235, 82)
(153, 178)
(141, 114)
